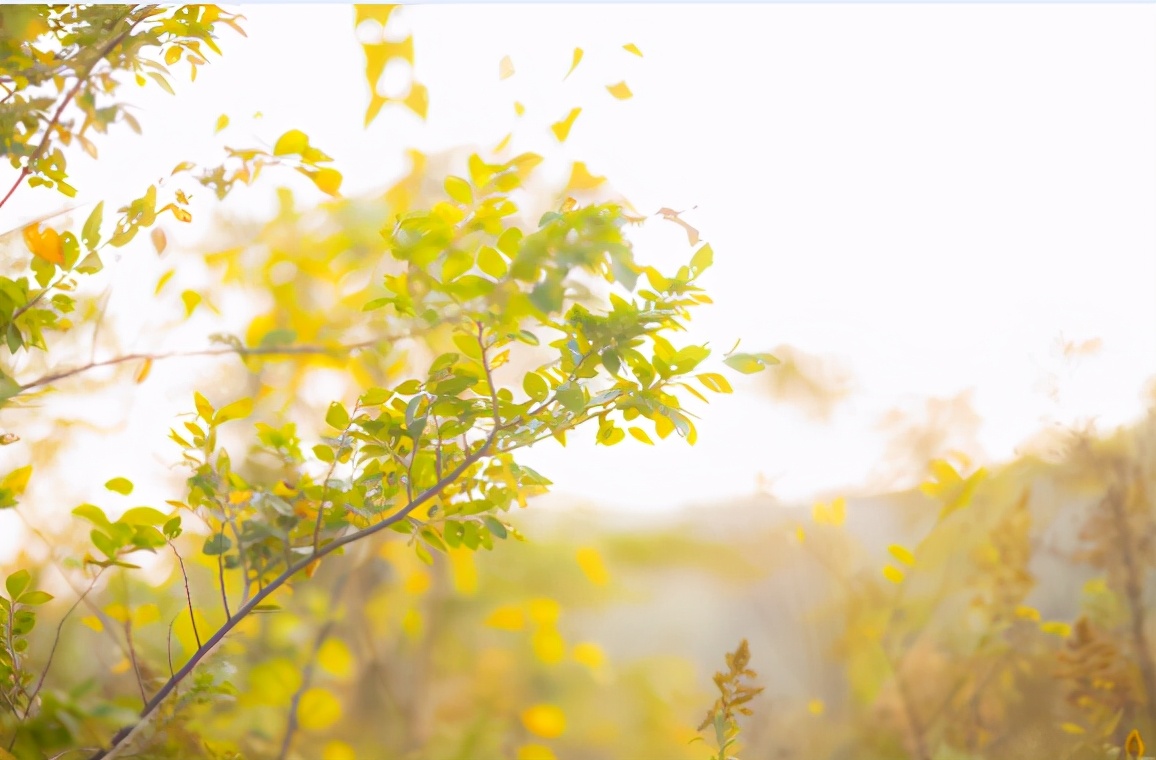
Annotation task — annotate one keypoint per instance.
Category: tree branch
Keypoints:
(81, 78)
(118, 742)
(308, 349)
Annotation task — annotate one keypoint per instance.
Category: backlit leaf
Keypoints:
(122, 486)
(292, 142)
(561, 129)
(327, 180)
(576, 60)
(620, 91)
(318, 709)
(546, 721)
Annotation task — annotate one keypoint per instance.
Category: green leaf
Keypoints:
(90, 234)
(36, 597)
(337, 417)
(144, 516)
(702, 259)
(122, 486)
(535, 387)
(492, 263)
(216, 544)
(495, 526)
(17, 583)
(749, 364)
(94, 515)
(571, 397)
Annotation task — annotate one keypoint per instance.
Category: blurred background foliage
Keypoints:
(999, 612)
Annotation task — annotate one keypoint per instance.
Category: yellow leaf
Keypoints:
(893, 574)
(46, 245)
(1028, 613)
(172, 55)
(145, 614)
(592, 566)
(535, 752)
(641, 435)
(630, 47)
(411, 623)
(1056, 628)
(507, 618)
(816, 707)
(222, 122)
(417, 582)
(544, 611)
(833, 514)
(327, 180)
(620, 91)
(159, 240)
(338, 750)
(418, 99)
(1134, 745)
(17, 480)
(335, 658)
(319, 709)
(561, 129)
(519, 109)
(1072, 728)
(505, 141)
(93, 622)
(577, 60)
(902, 554)
(547, 721)
(505, 68)
(464, 571)
(582, 179)
(588, 654)
(549, 646)
(293, 141)
(191, 299)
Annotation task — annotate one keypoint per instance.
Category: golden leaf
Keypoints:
(561, 129)
(582, 179)
(505, 68)
(577, 59)
(620, 90)
(630, 47)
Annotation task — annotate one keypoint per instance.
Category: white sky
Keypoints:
(934, 194)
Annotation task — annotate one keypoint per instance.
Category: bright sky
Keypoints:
(932, 194)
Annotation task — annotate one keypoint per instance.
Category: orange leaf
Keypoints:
(45, 245)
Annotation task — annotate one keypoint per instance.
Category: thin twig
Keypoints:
(81, 78)
(221, 572)
(188, 594)
(307, 673)
(117, 742)
(224, 350)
